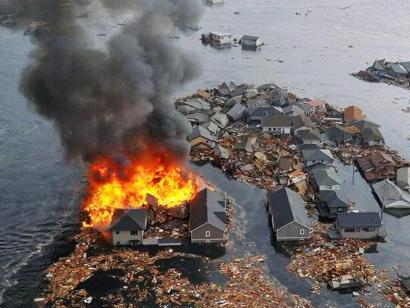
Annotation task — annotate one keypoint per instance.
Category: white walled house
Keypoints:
(249, 41)
(276, 124)
(128, 226)
(220, 38)
(312, 157)
(326, 179)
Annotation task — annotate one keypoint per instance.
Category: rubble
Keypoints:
(392, 73)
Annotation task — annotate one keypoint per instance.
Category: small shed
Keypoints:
(249, 41)
(289, 219)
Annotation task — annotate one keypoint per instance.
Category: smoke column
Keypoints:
(117, 100)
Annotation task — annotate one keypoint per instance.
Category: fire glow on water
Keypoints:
(113, 185)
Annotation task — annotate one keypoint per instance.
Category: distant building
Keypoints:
(256, 113)
(353, 113)
(128, 226)
(309, 136)
(213, 2)
(359, 225)
(338, 135)
(236, 112)
(249, 41)
(276, 124)
(289, 219)
(207, 218)
(220, 38)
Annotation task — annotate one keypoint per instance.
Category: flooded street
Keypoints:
(311, 48)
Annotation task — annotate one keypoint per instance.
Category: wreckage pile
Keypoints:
(397, 293)
(327, 261)
(118, 277)
(395, 73)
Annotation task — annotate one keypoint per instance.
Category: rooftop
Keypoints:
(353, 220)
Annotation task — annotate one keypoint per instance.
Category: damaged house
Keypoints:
(207, 218)
(377, 166)
(403, 178)
(201, 138)
(391, 196)
(332, 203)
(315, 156)
(338, 135)
(372, 136)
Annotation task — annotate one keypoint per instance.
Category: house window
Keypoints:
(208, 234)
(368, 229)
(134, 232)
(118, 243)
(350, 230)
(340, 209)
(117, 232)
(302, 231)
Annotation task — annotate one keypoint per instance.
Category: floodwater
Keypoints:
(311, 53)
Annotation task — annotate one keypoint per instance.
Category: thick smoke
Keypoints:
(117, 100)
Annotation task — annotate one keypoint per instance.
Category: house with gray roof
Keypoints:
(257, 112)
(365, 123)
(390, 196)
(396, 70)
(207, 217)
(372, 136)
(276, 124)
(193, 105)
(338, 135)
(128, 226)
(293, 110)
(362, 225)
(309, 136)
(311, 157)
(289, 219)
(250, 41)
(236, 112)
(326, 179)
(332, 203)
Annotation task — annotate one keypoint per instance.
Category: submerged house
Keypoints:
(249, 41)
(289, 219)
(363, 225)
(128, 226)
(207, 218)
(391, 196)
(338, 135)
(372, 136)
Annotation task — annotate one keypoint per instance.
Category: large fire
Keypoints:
(113, 185)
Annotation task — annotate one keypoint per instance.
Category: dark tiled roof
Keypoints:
(334, 199)
(276, 121)
(286, 206)
(372, 133)
(249, 38)
(353, 220)
(129, 219)
(317, 155)
(207, 207)
(201, 131)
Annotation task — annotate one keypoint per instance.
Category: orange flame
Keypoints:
(113, 186)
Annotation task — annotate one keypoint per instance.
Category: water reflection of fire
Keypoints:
(114, 185)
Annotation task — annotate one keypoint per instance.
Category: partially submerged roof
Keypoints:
(309, 135)
(365, 123)
(287, 206)
(317, 155)
(338, 133)
(249, 38)
(276, 121)
(208, 206)
(397, 68)
(353, 220)
(129, 219)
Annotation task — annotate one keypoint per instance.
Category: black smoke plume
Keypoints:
(105, 102)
